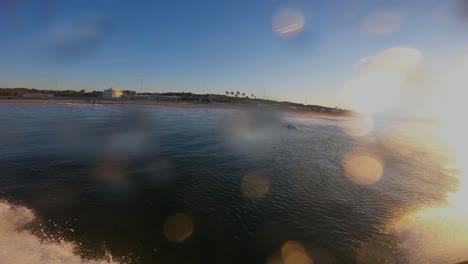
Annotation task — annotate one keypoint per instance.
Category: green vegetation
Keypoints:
(62, 93)
(229, 97)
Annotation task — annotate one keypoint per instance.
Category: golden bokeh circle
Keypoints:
(178, 228)
(362, 169)
(255, 186)
(294, 252)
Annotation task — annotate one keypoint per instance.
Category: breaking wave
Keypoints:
(18, 245)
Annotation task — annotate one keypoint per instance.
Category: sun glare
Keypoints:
(375, 91)
(381, 80)
(440, 234)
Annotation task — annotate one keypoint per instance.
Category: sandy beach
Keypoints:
(161, 103)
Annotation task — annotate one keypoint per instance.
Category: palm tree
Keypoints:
(252, 95)
(232, 93)
(243, 94)
(237, 93)
(227, 93)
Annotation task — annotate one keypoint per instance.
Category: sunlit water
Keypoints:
(148, 184)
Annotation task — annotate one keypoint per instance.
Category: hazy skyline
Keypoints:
(301, 51)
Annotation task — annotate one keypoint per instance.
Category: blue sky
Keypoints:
(211, 45)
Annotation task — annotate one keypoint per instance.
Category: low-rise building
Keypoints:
(112, 93)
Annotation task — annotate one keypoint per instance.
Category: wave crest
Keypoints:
(21, 246)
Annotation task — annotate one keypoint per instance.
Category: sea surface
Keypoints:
(145, 184)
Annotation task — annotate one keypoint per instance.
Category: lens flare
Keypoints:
(400, 60)
(255, 186)
(381, 80)
(178, 228)
(288, 23)
(73, 39)
(439, 234)
(362, 169)
(375, 91)
(111, 170)
(253, 131)
(294, 252)
(358, 126)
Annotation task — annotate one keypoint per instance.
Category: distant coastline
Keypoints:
(177, 104)
(229, 100)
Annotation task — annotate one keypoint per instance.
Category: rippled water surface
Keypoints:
(148, 184)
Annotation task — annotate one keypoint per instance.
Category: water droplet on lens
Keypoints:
(288, 23)
(362, 169)
(294, 252)
(178, 228)
(255, 186)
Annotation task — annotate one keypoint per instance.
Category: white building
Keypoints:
(112, 93)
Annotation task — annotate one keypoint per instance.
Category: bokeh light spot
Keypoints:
(362, 169)
(111, 170)
(288, 23)
(294, 252)
(72, 39)
(255, 186)
(178, 228)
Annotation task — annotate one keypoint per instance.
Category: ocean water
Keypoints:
(146, 184)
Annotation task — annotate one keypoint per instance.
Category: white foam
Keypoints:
(21, 246)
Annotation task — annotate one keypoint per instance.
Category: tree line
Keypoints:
(238, 94)
(229, 97)
(64, 93)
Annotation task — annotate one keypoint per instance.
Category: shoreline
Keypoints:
(168, 104)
